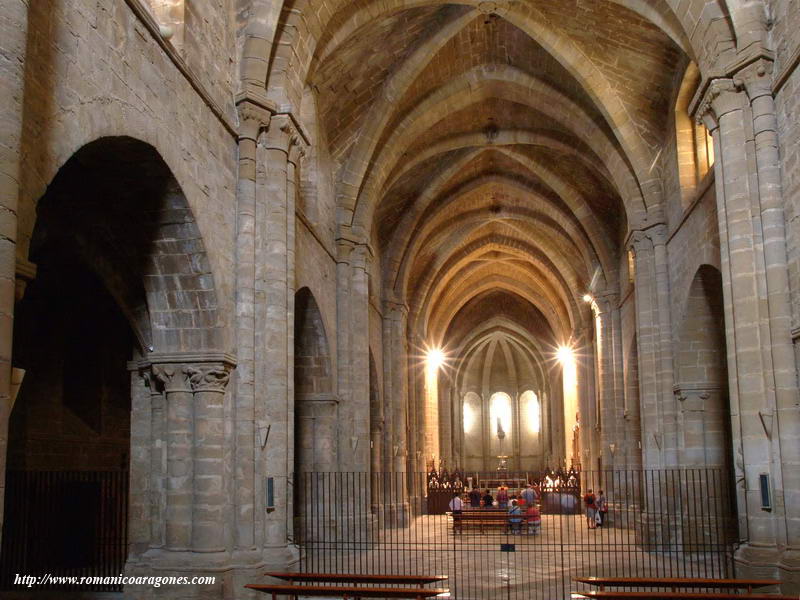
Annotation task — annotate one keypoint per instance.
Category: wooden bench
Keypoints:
(486, 519)
(420, 580)
(674, 584)
(614, 595)
(347, 592)
(350, 585)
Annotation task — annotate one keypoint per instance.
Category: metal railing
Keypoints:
(64, 523)
(660, 523)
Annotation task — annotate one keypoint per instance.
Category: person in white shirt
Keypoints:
(456, 507)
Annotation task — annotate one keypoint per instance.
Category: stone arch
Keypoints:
(315, 405)
(135, 230)
(122, 274)
(702, 375)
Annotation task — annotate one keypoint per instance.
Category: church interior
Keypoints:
(325, 265)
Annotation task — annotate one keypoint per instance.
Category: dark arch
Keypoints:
(316, 410)
(116, 207)
(316, 415)
(702, 374)
(121, 272)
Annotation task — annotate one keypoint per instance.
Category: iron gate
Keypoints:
(64, 523)
(669, 523)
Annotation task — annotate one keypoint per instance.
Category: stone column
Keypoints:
(659, 442)
(610, 407)
(14, 28)
(763, 391)
(353, 352)
(208, 499)
(179, 461)
(786, 419)
(445, 421)
(195, 468)
(657, 407)
(395, 362)
(254, 117)
(275, 328)
(142, 449)
(158, 459)
(395, 386)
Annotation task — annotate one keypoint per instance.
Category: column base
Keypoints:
(231, 571)
(757, 562)
(396, 516)
(789, 571)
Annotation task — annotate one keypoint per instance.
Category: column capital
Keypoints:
(172, 377)
(286, 134)
(647, 239)
(722, 96)
(353, 248)
(756, 78)
(395, 309)
(692, 397)
(186, 372)
(209, 377)
(255, 113)
(605, 302)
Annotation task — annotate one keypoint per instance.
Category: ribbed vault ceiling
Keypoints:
(493, 155)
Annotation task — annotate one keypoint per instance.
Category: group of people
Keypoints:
(596, 508)
(525, 507)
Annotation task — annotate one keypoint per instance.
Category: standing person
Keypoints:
(488, 500)
(602, 507)
(457, 508)
(475, 498)
(529, 495)
(590, 501)
(502, 497)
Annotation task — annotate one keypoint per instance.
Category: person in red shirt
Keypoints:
(590, 501)
(534, 519)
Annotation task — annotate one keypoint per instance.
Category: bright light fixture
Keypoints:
(564, 354)
(587, 298)
(435, 358)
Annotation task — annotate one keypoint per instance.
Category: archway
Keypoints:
(122, 273)
(704, 425)
(316, 417)
(702, 375)
(315, 406)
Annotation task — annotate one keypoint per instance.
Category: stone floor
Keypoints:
(538, 567)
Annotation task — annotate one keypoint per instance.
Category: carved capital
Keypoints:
(185, 371)
(648, 239)
(395, 310)
(693, 397)
(253, 117)
(172, 377)
(605, 302)
(639, 242)
(209, 377)
(284, 134)
(757, 78)
(721, 97)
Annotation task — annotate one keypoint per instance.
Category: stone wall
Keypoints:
(96, 70)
